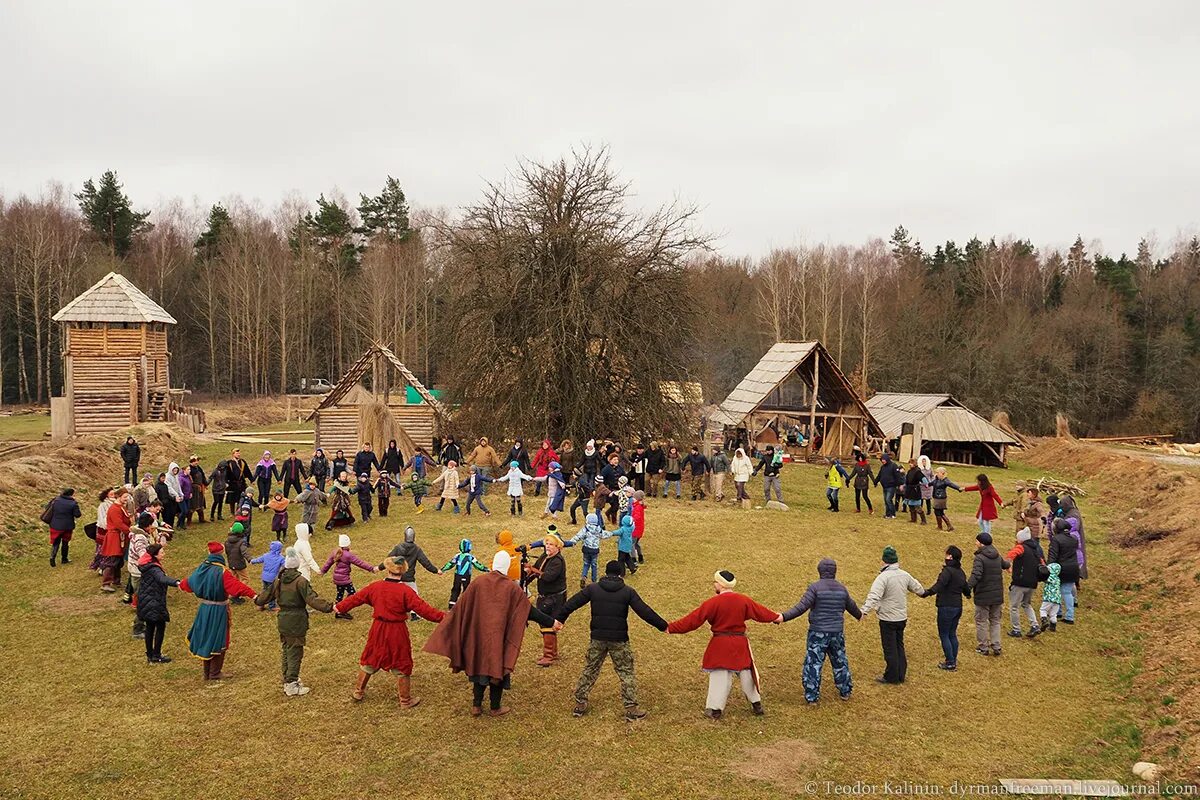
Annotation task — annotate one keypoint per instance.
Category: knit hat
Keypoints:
(622, 481)
(984, 538)
(501, 562)
(513, 464)
(552, 538)
(393, 566)
(290, 559)
(215, 547)
(954, 553)
(1024, 535)
(343, 540)
(725, 578)
(410, 535)
(238, 528)
(614, 568)
(890, 556)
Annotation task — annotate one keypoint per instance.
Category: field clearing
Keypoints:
(75, 678)
(24, 427)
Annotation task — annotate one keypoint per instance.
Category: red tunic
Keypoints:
(388, 646)
(988, 500)
(727, 613)
(117, 531)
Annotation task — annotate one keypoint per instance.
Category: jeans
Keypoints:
(580, 503)
(891, 637)
(678, 488)
(947, 625)
(771, 482)
(1020, 598)
(889, 502)
(1068, 602)
(985, 525)
(831, 494)
(477, 499)
(591, 561)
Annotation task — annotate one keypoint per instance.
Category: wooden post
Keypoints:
(144, 409)
(816, 388)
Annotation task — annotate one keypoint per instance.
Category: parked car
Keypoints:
(315, 386)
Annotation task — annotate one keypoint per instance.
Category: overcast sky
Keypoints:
(786, 122)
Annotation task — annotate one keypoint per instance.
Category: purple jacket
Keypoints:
(341, 561)
(185, 485)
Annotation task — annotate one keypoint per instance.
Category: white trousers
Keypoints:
(720, 682)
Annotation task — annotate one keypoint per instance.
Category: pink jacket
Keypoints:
(341, 560)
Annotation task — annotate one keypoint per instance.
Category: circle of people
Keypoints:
(480, 634)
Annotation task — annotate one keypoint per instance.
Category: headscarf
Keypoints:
(266, 460)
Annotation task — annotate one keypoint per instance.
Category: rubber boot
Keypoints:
(404, 692)
(549, 650)
(360, 685)
(53, 552)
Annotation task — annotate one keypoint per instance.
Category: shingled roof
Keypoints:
(113, 299)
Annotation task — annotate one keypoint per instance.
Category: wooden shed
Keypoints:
(116, 365)
(939, 426)
(799, 383)
(342, 416)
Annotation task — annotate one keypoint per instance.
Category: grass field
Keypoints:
(24, 427)
(85, 716)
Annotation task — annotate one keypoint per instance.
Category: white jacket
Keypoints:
(741, 468)
(303, 548)
(514, 476)
(889, 594)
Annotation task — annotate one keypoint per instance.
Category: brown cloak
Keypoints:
(482, 634)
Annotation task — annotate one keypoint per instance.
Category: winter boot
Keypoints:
(757, 708)
(949, 527)
(360, 685)
(921, 514)
(912, 515)
(939, 523)
(404, 692)
(208, 670)
(216, 662)
(139, 629)
(549, 650)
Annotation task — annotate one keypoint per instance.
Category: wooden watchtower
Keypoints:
(116, 365)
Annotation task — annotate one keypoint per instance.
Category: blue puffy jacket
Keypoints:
(272, 562)
(826, 602)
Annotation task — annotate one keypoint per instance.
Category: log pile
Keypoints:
(1047, 486)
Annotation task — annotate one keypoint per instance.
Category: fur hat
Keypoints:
(291, 560)
(501, 562)
(725, 578)
(393, 566)
(343, 540)
(890, 556)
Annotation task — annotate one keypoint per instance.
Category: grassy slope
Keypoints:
(92, 718)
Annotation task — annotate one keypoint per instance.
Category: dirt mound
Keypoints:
(85, 463)
(232, 414)
(1154, 520)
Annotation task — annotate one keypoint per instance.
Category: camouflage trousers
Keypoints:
(622, 658)
(821, 645)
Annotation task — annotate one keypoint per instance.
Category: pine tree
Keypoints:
(208, 243)
(331, 232)
(109, 214)
(1077, 260)
(386, 214)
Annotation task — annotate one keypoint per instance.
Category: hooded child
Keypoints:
(461, 563)
(409, 553)
(279, 517)
(589, 538)
(294, 595)
(383, 491)
(449, 483)
(516, 491)
(342, 559)
(308, 565)
(272, 563)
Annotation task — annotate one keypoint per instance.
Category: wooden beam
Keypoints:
(816, 396)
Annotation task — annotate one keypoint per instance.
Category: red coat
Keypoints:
(116, 531)
(638, 512)
(727, 613)
(542, 458)
(388, 645)
(988, 501)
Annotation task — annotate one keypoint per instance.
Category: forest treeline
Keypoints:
(266, 296)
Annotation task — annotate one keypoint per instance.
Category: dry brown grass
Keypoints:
(94, 720)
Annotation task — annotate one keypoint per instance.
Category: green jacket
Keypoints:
(294, 594)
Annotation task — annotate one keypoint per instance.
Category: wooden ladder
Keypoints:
(158, 405)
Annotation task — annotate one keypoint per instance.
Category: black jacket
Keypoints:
(363, 461)
(889, 475)
(656, 460)
(340, 465)
(520, 455)
(611, 600)
(912, 483)
(451, 452)
(411, 554)
(1025, 567)
(164, 495)
(950, 587)
(152, 593)
(292, 469)
(612, 474)
(63, 513)
(393, 461)
(1064, 551)
(697, 464)
(987, 577)
(319, 467)
(590, 463)
(768, 466)
(553, 579)
(131, 454)
(237, 474)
